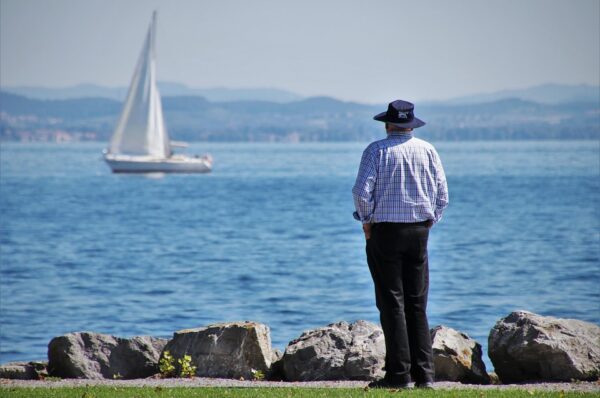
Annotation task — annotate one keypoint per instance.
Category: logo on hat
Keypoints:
(402, 115)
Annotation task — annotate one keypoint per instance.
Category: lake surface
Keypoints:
(269, 236)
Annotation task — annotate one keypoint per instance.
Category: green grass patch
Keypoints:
(248, 392)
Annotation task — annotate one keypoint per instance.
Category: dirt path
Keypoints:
(214, 382)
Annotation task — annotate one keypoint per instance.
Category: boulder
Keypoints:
(457, 357)
(33, 370)
(530, 347)
(339, 351)
(88, 355)
(229, 349)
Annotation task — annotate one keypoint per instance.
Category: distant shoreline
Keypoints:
(315, 119)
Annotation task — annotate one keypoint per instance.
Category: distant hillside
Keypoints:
(168, 89)
(194, 118)
(82, 108)
(545, 94)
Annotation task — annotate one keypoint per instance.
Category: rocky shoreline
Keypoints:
(523, 347)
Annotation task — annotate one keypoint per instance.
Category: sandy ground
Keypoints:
(214, 382)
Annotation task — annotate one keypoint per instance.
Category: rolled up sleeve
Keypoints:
(364, 188)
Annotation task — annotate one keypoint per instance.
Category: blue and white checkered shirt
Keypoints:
(401, 180)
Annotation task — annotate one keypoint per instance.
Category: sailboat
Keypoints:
(140, 142)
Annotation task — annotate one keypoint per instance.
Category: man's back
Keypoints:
(401, 179)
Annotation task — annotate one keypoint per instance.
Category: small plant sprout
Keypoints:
(257, 374)
(186, 369)
(166, 365)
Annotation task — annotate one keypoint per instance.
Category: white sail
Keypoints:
(140, 143)
(141, 128)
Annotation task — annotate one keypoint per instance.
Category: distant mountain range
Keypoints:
(217, 94)
(545, 94)
(195, 118)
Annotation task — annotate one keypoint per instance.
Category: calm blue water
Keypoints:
(269, 236)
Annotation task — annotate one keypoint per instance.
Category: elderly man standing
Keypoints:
(400, 192)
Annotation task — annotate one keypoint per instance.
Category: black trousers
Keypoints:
(397, 258)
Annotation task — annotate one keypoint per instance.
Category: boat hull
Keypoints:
(146, 164)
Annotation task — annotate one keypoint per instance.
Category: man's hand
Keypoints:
(367, 230)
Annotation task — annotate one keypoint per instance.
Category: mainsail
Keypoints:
(141, 128)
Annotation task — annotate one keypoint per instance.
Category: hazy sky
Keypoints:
(368, 51)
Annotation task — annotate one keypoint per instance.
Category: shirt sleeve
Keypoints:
(364, 188)
(442, 199)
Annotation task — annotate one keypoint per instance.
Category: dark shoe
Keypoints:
(428, 385)
(383, 383)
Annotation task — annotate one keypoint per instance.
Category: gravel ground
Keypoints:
(214, 382)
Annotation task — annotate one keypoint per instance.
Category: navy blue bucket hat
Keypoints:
(400, 113)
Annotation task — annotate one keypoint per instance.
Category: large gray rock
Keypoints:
(89, 355)
(230, 349)
(457, 357)
(530, 347)
(33, 370)
(339, 351)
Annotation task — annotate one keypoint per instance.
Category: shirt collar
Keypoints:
(401, 134)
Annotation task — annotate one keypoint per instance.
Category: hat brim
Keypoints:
(414, 124)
